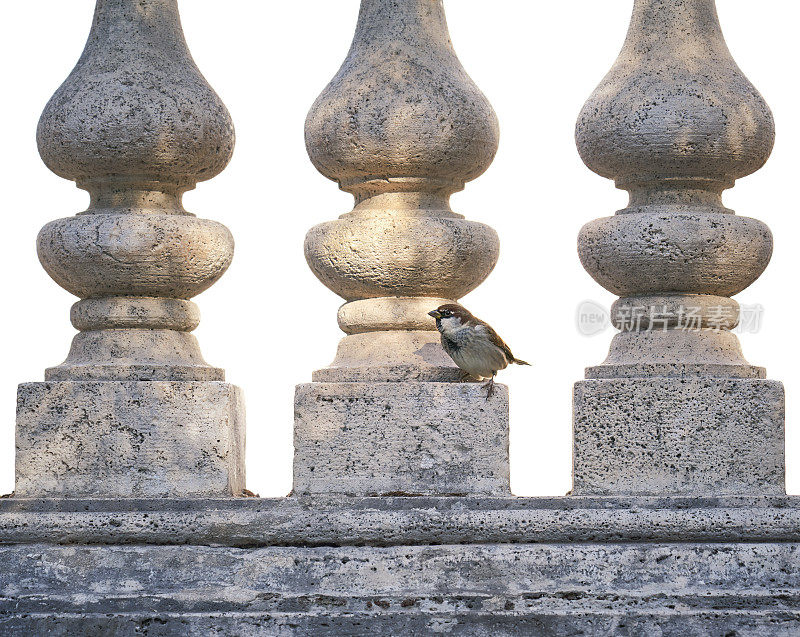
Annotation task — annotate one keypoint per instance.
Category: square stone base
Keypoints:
(129, 439)
(400, 438)
(658, 436)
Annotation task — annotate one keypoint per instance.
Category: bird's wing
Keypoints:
(495, 339)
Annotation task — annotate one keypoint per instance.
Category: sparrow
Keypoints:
(472, 344)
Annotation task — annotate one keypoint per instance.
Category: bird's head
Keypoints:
(450, 315)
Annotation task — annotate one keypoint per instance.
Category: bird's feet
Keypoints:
(489, 387)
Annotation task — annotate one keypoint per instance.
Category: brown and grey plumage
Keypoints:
(472, 343)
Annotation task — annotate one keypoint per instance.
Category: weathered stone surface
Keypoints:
(399, 521)
(134, 410)
(704, 436)
(465, 566)
(136, 105)
(412, 438)
(645, 253)
(642, 126)
(548, 589)
(402, 127)
(675, 123)
(676, 408)
(379, 356)
(136, 125)
(492, 623)
(129, 439)
(659, 353)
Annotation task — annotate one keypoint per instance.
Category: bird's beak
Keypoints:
(435, 314)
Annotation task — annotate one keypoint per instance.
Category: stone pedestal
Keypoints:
(129, 439)
(700, 436)
(400, 438)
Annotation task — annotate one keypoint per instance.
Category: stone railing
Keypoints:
(401, 519)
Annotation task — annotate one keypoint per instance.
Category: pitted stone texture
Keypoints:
(129, 439)
(490, 567)
(403, 438)
(136, 106)
(402, 105)
(132, 313)
(675, 123)
(601, 589)
(415, 256)
(702, 436)
(675, 353)
(667, 253)
(675, 108)
(152, 255)
(387, 313)
(337, 520)
(401, 126)
(134, 354)
(393, 356)
(136, 125)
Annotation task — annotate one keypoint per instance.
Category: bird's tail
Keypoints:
(521, 362)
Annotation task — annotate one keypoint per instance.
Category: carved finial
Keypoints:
(675, 123)
(136, 125)
(401, 127)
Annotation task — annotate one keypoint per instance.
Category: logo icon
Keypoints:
(591, 318)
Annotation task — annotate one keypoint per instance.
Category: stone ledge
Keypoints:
(554, 589)
(479, 624)
(389, 521)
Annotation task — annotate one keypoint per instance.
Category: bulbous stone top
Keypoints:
(401, 107)
(136, 109)
(675, 106)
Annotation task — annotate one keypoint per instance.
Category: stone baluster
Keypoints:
(675, 408)
(401, 127)
(134, 410)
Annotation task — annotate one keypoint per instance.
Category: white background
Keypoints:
(269, 322)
